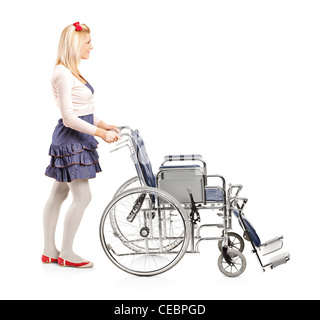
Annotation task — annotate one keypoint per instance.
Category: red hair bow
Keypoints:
(77, 25)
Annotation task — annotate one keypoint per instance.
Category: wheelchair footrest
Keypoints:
(279, 259)
(272, 245)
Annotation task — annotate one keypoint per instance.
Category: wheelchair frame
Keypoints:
(227, 216)
(223, 200)
(194, 239)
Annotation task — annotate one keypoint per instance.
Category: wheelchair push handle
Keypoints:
(123, 132)
(122, 128)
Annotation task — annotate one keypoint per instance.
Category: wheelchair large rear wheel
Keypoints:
(121, 232)
(130, 184)
(144, 231)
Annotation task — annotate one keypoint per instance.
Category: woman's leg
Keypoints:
(58, 194)
(81, 198)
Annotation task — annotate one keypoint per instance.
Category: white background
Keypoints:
(235, 81)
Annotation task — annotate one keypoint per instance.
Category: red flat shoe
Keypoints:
(46, 259)
(65, 263)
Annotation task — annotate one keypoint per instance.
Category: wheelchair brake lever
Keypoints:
(194, 210)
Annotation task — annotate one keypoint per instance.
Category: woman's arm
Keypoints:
(63, 84)
(100, 124)
(107, 127)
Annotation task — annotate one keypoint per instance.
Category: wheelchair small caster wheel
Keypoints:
(235, 241)
(144, 232)
(235, 266)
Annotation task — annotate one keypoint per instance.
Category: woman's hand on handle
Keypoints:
(115, 128)
(108, 136)
(107, 127)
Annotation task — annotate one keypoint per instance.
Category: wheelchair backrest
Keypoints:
(143, 164)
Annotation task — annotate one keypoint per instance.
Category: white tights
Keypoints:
(81, 198)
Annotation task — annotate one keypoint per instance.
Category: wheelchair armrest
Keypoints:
(216, 176)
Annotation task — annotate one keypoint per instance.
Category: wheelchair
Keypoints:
(154, 220)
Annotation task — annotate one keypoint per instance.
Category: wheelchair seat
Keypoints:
(214, 195)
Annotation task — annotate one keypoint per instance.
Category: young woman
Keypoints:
(74, 159)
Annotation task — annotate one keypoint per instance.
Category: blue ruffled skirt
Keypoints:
(73, 154)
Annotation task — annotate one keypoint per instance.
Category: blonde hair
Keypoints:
(70, 46)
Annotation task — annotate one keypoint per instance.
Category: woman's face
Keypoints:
(86, 47)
